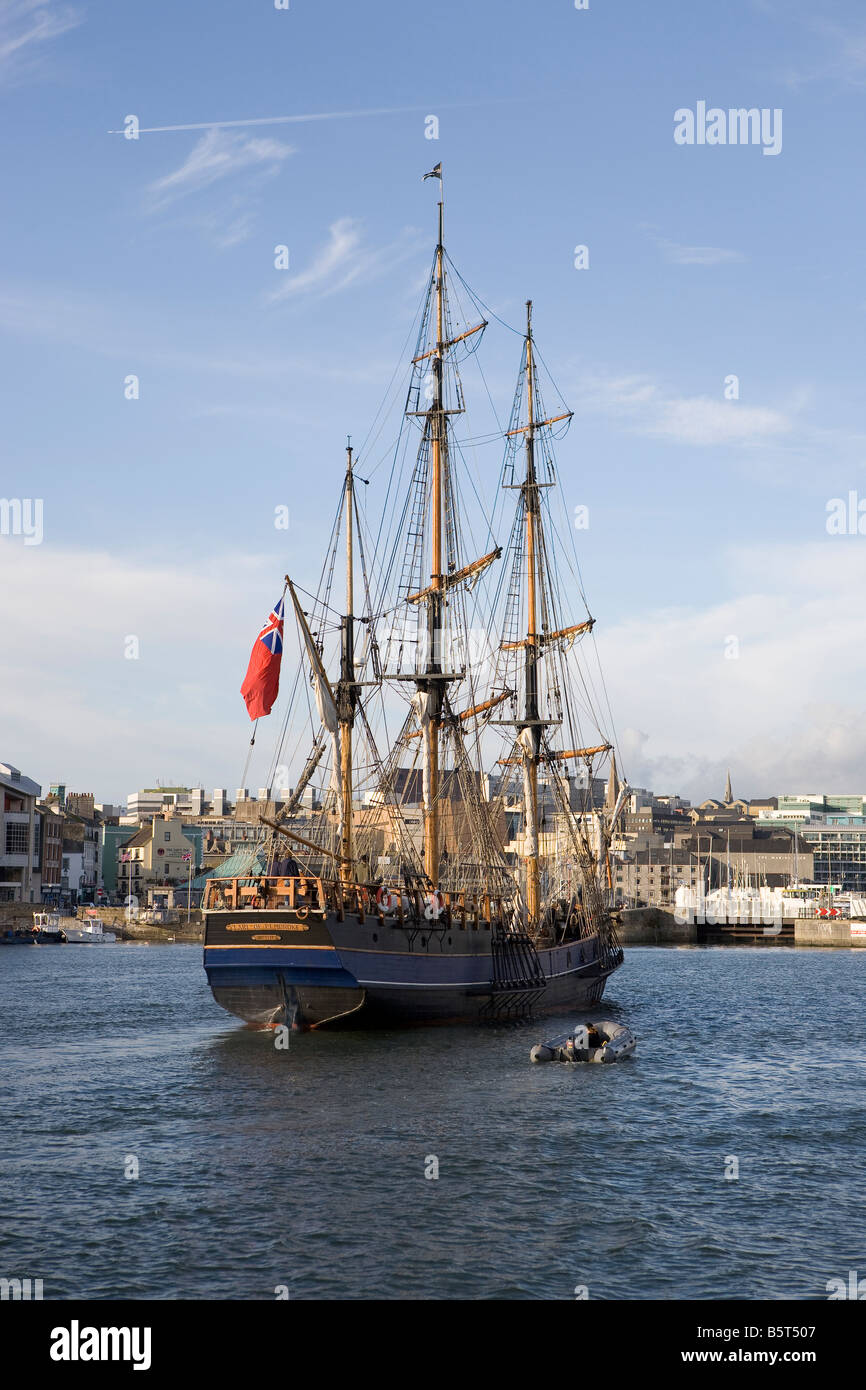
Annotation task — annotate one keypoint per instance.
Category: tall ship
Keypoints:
(455, 866)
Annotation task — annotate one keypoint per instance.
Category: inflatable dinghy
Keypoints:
(589, 1042)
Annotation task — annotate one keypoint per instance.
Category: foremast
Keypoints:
(338, 703)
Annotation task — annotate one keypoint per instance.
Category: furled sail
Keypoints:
(423, 703)
(469, 574)
(325, 702)
(529, 743)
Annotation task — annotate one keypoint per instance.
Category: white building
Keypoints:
(159, 801)
(19, 848)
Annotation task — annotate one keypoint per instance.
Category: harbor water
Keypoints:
(154, 1148)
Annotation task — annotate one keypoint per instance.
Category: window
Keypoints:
(167, 836)
(17, 838)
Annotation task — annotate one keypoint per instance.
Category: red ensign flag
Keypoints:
(262, 681)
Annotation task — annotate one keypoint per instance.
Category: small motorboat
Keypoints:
(46, 930)
(589, 1042)
(89, 931)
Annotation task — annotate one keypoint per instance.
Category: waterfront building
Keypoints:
(19, 837)
(838, 850)
(832, 828)
(50, 824)
(159, 801)
(79, 879)
(796, 810)
(653, 820)
(713, 856)
(112, 837)
(642, 877)
(80, 804)
(156, 854)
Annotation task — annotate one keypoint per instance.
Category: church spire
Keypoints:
(729, 795)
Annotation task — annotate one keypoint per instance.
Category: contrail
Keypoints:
(278, 120)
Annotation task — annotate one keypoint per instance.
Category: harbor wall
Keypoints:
(654, 926)
(810, 931)
(176, 927)
(657, 926)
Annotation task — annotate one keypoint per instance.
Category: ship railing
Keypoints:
(265, 891)
(419, 907)
(412, 907)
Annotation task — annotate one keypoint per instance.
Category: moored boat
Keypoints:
(16, 936)
(47, 929)
(88, 931)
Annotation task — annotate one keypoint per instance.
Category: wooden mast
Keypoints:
(346, 690)
(432, 724)
(531, 724)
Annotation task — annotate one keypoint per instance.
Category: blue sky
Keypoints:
(155, 257)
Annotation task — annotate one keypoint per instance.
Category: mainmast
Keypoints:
(432, 567)
(531, 731)
(347, 694)
(434, 685)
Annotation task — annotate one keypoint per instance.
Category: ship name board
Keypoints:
(272, 926)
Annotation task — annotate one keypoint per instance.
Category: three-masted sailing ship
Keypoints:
(456, 866)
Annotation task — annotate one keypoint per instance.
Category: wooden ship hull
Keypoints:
(360, 970)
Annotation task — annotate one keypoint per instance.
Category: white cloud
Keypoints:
(699, 420)
(788, 712)
(217, 156)
(836, 53)
(344, 259)
(698, 255)
(234, 232)
(679, 254)
(26, 25)
(73, 708)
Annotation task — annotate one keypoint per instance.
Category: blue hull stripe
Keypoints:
(348, 969)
